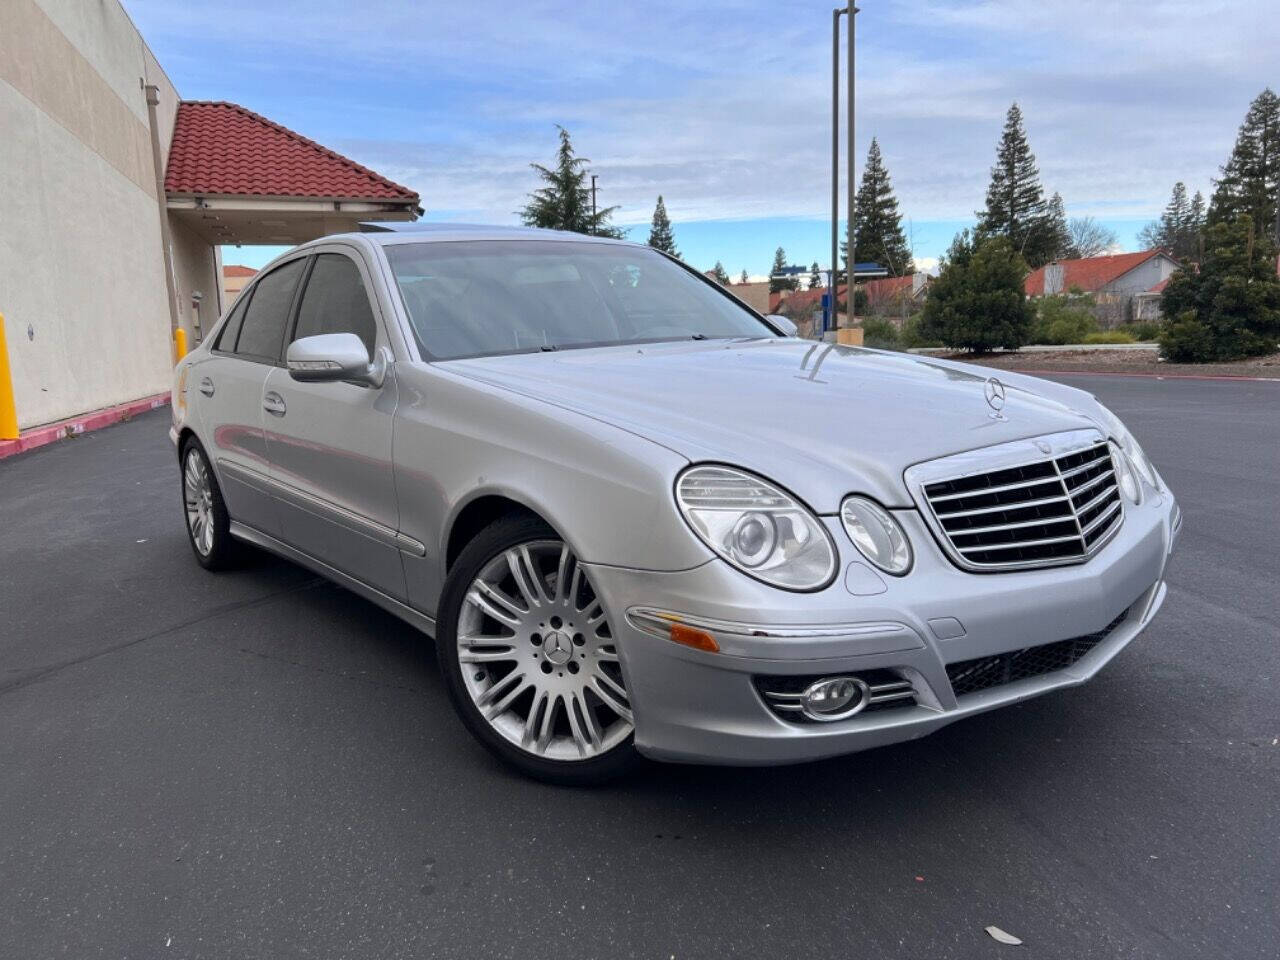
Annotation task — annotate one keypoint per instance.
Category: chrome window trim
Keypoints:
(1017, 453)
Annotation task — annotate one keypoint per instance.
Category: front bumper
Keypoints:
(700, 707)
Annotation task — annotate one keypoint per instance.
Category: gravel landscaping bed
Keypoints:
(1068, 360)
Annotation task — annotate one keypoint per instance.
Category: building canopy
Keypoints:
(235, 177)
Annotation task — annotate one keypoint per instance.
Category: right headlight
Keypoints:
(760, 529)
(876, 534)
(1126, 477)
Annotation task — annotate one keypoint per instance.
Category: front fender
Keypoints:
(607, 491)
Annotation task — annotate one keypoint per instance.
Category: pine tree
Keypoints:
(719, 274)
(744, 278)
(565, 202)
(1016, 207)
(1250, 182)
(1228, 308)
(1056, 224)
(877, 224)
(977, 303)
(1179, 228)
(776, 281)
(660, 235)
(815, 276)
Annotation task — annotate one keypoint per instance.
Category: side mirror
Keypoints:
(331, 357)
(788, 328)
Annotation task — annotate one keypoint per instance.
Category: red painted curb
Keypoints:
(1152, 376)
(74, 426)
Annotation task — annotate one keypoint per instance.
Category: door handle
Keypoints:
(273, 403)
(206, 386)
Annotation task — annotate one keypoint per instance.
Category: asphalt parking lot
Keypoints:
(259, 764)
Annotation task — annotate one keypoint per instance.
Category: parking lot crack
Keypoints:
(38, 673)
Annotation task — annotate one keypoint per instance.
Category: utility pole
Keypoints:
(593, 204)
(836, 14)
(832, 286)
(849, 150)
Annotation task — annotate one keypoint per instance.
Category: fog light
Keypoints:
(834, 698)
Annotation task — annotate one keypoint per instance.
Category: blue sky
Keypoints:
(724, 107)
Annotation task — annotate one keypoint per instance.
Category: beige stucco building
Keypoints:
(85, 270)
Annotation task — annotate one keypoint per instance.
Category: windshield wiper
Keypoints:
(699, 336)
(548, 348)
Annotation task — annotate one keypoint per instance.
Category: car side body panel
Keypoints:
(607, 491)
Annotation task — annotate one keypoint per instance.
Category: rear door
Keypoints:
(330, 443)
(230, 386)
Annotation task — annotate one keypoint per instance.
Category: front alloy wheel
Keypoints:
(535, 657)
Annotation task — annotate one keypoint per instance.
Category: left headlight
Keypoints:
(1125, 441)
(760, 529)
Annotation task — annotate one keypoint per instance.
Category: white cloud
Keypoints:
(724, 108)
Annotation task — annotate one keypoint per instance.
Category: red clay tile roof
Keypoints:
(1091, 273)
(222, 148)
(1159, 287)
(236, 270)
(887, 288)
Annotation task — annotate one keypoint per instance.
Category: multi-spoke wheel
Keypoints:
(208, 524)
(528, 646)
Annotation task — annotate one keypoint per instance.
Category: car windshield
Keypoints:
(478, 298)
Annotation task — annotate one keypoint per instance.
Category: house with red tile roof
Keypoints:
(1124, 286)
(1119, 273)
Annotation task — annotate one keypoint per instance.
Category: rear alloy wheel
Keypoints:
(532, 657)
(208, 523)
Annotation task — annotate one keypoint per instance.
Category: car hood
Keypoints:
(820, 419)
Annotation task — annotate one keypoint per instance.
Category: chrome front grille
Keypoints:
(1044, 512)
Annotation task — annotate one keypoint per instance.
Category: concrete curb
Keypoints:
(74, 426)
(1149, 376)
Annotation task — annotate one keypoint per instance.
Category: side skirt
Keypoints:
(393, 606)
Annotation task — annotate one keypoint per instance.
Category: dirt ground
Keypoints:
(1123, 361)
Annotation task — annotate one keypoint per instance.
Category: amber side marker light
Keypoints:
(693, 637)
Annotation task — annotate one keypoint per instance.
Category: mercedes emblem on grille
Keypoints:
(993, 389)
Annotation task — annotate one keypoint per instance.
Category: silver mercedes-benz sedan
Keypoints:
(639, 518)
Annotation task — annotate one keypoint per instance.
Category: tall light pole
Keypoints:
(836, 14)
(850, 160)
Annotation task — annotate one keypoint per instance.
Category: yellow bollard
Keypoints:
(8, 410)
(180, 343)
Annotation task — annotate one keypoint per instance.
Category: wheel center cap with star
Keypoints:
(557, 647)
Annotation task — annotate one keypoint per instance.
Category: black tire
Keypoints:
(225, 552)
(493, 540)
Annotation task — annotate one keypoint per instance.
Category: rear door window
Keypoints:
(262, 333)
(335, 301)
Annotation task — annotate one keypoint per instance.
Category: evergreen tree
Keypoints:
(978, 303)
(1056, 223)
(1179, 227)
(660, 235)
(877, 224)
(815, 276)
(719, 274)
(744, 278)
(1016, 207)
(1250, 181)
(776, 281)
(565, 202)
(1228, 308)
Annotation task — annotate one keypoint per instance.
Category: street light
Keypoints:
(836, 14)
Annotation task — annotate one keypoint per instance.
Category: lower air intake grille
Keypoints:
(1051, 511)
(970, 676)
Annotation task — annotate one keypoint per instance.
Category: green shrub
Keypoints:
(977, 303)
(880, 333)
(1063, 319)
(1144, 331)
(1109, 336)
(1187, 341)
